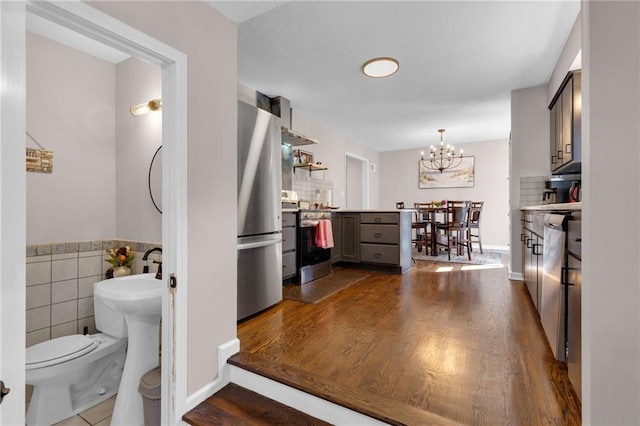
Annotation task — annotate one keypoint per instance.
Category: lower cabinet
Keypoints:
(373, 238)
(336, 225)
(532, 247)
(351, 237)
(289, 266)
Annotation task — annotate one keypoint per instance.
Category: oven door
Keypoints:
(310, 253)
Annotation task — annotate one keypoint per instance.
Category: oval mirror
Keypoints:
(155, 179)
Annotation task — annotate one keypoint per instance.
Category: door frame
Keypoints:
(364, 176)
(90, 22)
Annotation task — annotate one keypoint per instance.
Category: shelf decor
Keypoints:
(460, 176)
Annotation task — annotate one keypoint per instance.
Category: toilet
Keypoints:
(70, 374)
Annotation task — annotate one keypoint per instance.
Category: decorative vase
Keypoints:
(121, 271)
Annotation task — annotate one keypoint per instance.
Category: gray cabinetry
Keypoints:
(289, 269)
(565, 125)
(350, 237)
(385, 239)
(373, 238)
(532, 247)
(336, 225)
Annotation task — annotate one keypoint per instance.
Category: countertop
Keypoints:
(559, 206)
(348, 210)
(368, 210)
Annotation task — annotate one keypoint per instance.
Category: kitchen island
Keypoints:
(373, 238)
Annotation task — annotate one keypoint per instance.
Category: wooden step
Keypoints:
(235, 405)
(354, 399)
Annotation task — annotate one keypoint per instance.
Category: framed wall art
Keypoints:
(460, 176)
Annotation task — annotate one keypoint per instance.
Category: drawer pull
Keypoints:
(377, 235)
(377, 220)
(377, 255)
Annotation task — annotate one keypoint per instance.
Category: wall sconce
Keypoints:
(152, 105)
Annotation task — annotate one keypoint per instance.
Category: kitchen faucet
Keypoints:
(145, 257)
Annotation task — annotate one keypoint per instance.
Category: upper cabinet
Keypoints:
(566, 126)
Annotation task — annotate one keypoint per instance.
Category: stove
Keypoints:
(313, 261)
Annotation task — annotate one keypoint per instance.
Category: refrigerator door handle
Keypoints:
(257, 244)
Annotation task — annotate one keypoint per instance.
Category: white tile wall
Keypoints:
(64, 269)
(38, 270)
(65, 329)
(38, 336)
(90, 265)
(60, 278)
(38, 318)
(310, 187)
(63, 291)
(531, 190)
(85, 285)
(64, 312)
(38, 296)
(85, 307)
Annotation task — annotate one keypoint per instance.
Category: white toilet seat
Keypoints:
(59, 350)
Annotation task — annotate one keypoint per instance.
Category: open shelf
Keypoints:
(309, 166)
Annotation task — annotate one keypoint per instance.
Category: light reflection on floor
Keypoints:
(471, 267)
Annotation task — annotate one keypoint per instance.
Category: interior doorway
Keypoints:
(82, 18)
(356, 176)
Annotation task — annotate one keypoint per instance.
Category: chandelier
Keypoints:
(441, 159)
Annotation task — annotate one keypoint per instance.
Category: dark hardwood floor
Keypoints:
(431, 346)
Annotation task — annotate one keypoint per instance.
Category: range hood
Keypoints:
(282, 107)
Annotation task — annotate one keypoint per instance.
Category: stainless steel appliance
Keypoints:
(313, 261)
(259, 210)
(552, 296)
(574, 302)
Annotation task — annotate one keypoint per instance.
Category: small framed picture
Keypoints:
(302, 157)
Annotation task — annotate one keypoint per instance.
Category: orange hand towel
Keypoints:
(324, 234)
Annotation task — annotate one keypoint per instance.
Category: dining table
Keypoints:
(427, 214)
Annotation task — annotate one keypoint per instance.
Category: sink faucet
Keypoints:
(145, 257)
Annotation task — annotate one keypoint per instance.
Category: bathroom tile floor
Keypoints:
(100, 415)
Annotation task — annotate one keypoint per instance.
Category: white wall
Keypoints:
(210, 42)
(137, 139)
(71, 110)
(529, 155)
(331, 152)
(569, 52)
(354, 184)
(399, 182)
(610, 253)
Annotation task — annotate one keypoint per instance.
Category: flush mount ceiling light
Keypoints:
(152, 105)
(380, 67)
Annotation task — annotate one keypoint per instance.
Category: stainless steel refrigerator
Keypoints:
(259, 210)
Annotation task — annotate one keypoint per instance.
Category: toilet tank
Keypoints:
(108, 321)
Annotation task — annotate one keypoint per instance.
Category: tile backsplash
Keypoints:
(60, 278)
(312, 187)
(532, 189)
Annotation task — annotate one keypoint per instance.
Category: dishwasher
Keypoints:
(553, 292)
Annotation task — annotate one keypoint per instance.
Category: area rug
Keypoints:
(321, 288)
(487, 258)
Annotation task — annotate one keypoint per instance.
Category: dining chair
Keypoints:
(454, 232)
(474, 224)
(422, 224)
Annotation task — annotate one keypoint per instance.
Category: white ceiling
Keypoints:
(459, 61)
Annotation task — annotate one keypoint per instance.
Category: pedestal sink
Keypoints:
(139, 299)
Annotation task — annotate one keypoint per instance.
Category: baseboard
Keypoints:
(499, 249)
(309, 404)
(225, 351)
(516, 276)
